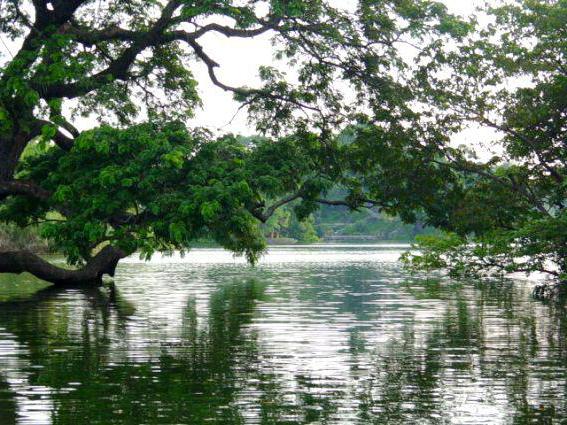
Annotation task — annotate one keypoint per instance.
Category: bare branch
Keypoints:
(367, 203)
(234, 32)
(190, 39)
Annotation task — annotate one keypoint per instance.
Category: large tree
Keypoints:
(505, 213)
(141, 180)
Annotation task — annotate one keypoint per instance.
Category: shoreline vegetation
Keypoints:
(326, 226)
(312, 231)
(14, 238)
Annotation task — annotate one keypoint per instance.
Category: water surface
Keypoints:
(321, 334)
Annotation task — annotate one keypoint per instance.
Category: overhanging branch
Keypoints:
(264, 216)
(104, 262)
(211, 65)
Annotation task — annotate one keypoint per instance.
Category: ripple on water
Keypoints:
(319, 334)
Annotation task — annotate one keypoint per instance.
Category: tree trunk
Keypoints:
(104, 262)
(11, 147)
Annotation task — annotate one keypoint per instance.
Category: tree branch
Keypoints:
(341, 202)
(234, 32)
(20, 187)
(191, 40)
(264, 216)
(475, 169)
(60, 139)
(510, 131)
(90, 37)
(118, 68)
(104, 262)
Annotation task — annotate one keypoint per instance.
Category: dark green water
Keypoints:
(321, 335)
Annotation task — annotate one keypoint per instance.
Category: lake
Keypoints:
(323, 334)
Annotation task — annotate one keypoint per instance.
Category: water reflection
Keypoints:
(308, 341)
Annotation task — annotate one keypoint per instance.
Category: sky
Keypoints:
(239, 60)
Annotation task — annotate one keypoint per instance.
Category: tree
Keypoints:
(142, 180)
(506, 214)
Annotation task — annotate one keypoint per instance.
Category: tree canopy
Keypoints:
(510, 76)
(143, 180)
(369, 97)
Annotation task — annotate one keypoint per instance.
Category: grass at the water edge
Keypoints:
(17, 287)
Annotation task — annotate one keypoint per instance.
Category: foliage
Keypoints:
(141, 180)
(15, 238)
(509, 76)
(352, 112)
(175, 186)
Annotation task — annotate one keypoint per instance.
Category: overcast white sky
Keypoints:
(239, 60)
